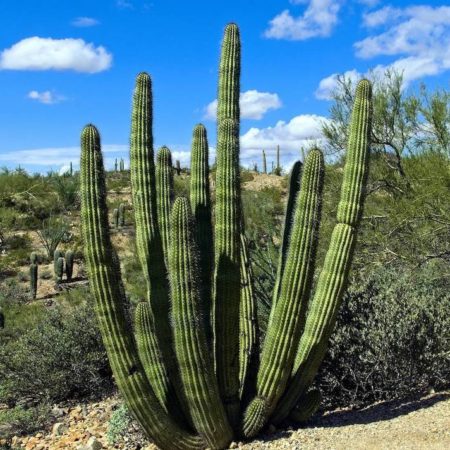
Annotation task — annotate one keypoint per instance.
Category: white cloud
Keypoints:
(369, 3)
(84, 22)
(419, 36)
(253, 105)
(124, 4)
(328, 85)
(36, 53)
(318, 20)
(46, 97)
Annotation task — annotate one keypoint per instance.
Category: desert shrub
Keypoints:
(53, 231)
(20, 421)
(123, 428)
(392, 337)
(58, 358)
(67, 189)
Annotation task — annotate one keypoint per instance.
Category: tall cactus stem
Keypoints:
(264, 162)
(194, 359)
(33, 280)
(293, 188)
(200, 198)
(69, 264)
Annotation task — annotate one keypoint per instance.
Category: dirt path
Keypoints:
(422, 424)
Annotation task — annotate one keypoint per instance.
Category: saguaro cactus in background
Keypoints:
(33, 279)
(194, 364)
(69, 264)
(178, 167)
(277, 170)
(264, 162)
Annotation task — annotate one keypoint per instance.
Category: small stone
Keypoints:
(233, 445)
(58, 429)
(93, 444)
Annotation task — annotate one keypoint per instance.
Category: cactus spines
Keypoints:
(59, 269)
(69, 264)
(229, 76)
(121, 215)
(286, 318)
(109, 304)
(194, 359)
(164, 189)
(264, 162)
(333, 277)
(201, 209)
(33, 279)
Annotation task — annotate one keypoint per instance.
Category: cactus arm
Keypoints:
(248, 328)
(307, 406)
(194, 360)
(227, 226)
(227, 268)
(294, 187)
(201, 209)
(287, 317)
(164, 189)
(107, 289)
(333, 277)
(148, 237)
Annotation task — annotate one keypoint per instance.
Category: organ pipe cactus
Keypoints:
(192, 374)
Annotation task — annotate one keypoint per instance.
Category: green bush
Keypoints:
(392, 337)
(20, 421)
(123, 428)
(61, 357)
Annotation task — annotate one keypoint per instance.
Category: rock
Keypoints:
(233, 445)
(59, 428)
(57, 411)
(93, 444)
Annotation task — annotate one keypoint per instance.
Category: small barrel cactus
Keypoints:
(59, 269)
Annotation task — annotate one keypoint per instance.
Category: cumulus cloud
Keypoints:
(253, 105)
(84, 22)
(418, 36)
(301, 131)
(36, 53)
(46, 97)
(318, 20)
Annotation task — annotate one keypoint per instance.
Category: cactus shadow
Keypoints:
(378, 412)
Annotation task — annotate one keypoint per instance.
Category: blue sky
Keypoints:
(64, 66)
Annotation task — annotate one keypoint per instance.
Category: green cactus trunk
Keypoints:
(69, 264)
(34, 258)
(264, 162)
(56, 255)
(307, 406)
(194, 360)
(2, 319)
(164, 199)
(110, 304)
(116, 165)
(278, 168)
(287, 317)
(227, 227)
(33, 280)
(201, 208)
(333, 277)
